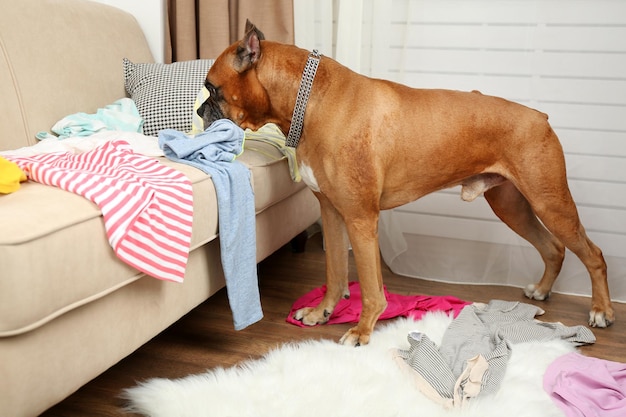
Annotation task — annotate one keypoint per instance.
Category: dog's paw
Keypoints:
(354, 338)
(531, 291)
(600, 318)
(311, 316)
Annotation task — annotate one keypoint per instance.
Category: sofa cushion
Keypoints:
(48, 232)
(165, 93)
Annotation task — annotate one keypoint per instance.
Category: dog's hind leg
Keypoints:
(514, 210)
(549, 198)
(336, 242)
(557, 210)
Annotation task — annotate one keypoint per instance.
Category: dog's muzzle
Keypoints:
(211, 110)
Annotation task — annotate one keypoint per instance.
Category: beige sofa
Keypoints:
(69, 308)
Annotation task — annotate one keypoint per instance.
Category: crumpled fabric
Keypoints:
(582, 386)
(349, 310)
(269, 133)
(214, 151)
(475, 349)
(11, 175)
(147, 207)
(120, 115)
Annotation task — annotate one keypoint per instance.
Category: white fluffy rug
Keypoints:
(322, 378)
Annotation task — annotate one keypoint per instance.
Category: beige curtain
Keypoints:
(204, 28)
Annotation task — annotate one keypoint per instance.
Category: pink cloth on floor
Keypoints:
(587, 387)
(349, 310)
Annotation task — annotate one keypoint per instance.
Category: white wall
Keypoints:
(151, 17)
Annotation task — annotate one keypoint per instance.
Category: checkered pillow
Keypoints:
(165, 93)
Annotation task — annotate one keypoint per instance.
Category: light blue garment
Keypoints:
(121, 115)
(213, 152)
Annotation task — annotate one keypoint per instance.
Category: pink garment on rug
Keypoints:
(587, 387)
(349, 310)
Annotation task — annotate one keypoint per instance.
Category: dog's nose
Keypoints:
(200, 110)
(210, 111)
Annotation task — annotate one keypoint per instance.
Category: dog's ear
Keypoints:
(249, 49)
(251, 27)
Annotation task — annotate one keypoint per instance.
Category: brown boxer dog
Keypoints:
(369, 145)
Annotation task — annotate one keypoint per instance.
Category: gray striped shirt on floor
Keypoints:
(475, 349)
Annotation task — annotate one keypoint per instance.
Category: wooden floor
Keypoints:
(205, 337)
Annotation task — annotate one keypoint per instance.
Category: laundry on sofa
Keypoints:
(214, 151)
(67, 302)
(11, 176)
(147, 207)
(154, 235)
(121, 115)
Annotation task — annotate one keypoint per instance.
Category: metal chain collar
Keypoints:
(297, 120)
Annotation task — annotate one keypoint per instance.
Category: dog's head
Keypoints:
(234, 87)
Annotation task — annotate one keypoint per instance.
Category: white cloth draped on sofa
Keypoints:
(564, 59)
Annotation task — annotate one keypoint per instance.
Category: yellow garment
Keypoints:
(271, 134)
(10, 176)
(197, 124)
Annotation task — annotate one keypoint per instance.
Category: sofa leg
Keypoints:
(298, 243)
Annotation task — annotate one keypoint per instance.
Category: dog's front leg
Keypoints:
(363, 232)
(336, 242)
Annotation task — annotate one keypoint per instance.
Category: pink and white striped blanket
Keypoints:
(147, 206)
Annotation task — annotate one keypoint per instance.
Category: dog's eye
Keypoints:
(213, 91)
